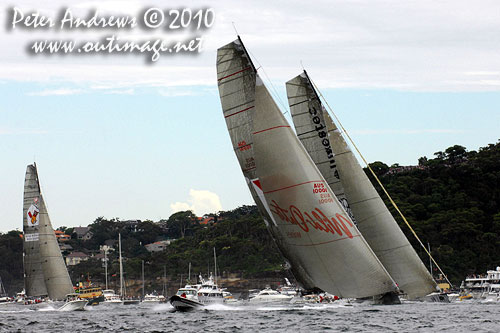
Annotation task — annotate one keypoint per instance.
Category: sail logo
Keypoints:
(323, 135)
(32, 215)
(242, 145)
(319, 188)
(31, 237)
(336, 225)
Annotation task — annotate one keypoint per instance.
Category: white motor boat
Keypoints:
(270, 295)
(73, 303)
(209, 292)
(110, 296)
(153, 298)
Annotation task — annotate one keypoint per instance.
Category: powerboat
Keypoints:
(186, 299)
(153, 298)
(209, 292)
(270, 295)
(110, 296)
(73, 303)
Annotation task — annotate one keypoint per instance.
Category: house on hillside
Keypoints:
(74, 258)
(158, 246)
(83, 233)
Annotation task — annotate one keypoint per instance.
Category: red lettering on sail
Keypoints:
(319, 221)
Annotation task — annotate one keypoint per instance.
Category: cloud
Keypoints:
(416, 46)
(56, 92)
(200, 202)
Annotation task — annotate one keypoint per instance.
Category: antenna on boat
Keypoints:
(378, 180)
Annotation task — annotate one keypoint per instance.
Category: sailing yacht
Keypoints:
(124, 299)
(332, 156)
(324, 214)
(45, 272)
(319, 239)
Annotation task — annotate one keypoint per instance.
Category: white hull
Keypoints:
(76, 305)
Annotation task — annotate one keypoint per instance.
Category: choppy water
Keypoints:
(244, 317)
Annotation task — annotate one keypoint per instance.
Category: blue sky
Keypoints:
(115, 137)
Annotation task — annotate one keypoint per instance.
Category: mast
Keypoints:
(121, 266)
(189, 273)
(106, 267)
(143, 279)
(215, 264)
(164, 281)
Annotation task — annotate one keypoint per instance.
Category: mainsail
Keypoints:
(33, 273)
(40, 246)
(236, 77)
(303, 214)
(324, 141)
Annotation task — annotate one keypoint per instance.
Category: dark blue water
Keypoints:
(243, 317)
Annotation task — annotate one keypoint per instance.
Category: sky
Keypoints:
(117, 135)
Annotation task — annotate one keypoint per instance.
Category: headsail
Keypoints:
(55, 275)
(307, 115)
(33, 273)
(314, 235)
(236, 77)
(375, 222)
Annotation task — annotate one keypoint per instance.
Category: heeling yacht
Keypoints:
(45, 273)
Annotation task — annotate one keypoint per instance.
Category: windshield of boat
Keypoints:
(186, 292)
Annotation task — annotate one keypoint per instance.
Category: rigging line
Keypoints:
(274, 91)
(380, 183)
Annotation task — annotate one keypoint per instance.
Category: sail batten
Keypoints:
(324, 143)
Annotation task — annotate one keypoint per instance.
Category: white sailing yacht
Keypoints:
(338, 165)
(45, 273)
(318, 238)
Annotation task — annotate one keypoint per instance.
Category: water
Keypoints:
(244, 317)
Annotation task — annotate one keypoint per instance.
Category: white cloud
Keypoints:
(417, 45)
(200, 202)
(56, 92)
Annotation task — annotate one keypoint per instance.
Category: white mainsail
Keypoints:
(314, 234)
(53, 278)
(33, 273)
(374, 220)
(236, 77)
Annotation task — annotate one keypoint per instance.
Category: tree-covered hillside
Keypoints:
(452, 201)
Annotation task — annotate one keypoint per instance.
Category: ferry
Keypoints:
(93, 295)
